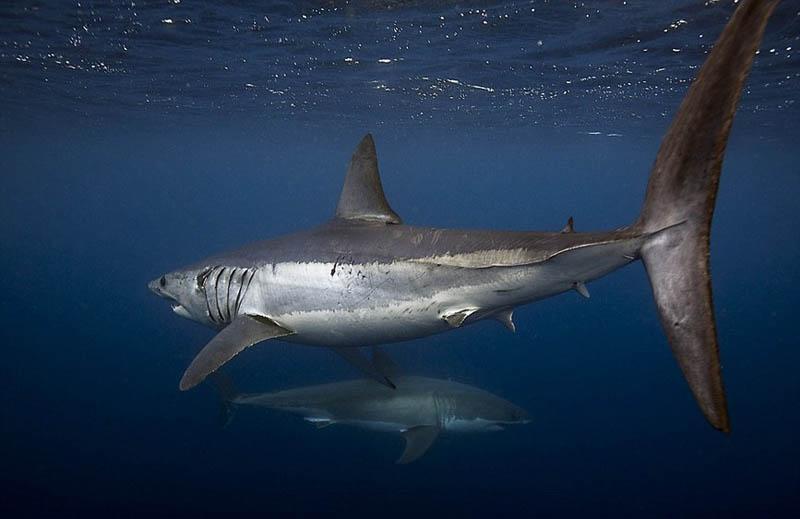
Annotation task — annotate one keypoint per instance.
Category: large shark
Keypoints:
(365, 278)
(420, 408)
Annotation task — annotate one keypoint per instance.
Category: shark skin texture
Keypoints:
(366, 278)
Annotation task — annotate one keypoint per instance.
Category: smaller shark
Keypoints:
(420, 408)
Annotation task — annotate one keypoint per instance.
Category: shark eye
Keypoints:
(162, 281)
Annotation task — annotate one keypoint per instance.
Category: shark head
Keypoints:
(485, 413)
(184, 290)
(508, 414)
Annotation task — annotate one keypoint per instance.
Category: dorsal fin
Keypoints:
(362, 196)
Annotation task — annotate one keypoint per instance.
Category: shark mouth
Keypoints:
(180, 310)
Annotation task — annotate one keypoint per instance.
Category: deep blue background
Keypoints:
(97, 198)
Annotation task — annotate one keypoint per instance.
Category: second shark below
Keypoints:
(420, 408)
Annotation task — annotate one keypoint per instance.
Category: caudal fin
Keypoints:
(683, 188)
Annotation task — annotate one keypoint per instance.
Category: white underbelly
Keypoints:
(375, 425)
(363, 326)
(475, 425)
(359, 305)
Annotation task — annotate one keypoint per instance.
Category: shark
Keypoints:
(366, 278)
(420, 408)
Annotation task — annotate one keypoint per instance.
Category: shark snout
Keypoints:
(157, 285)
(522, 416)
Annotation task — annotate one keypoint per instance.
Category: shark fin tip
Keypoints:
(722, 423)
(185, 385)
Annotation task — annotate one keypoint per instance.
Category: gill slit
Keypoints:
(208, 308)
(252, 275)
(445, 411)
(239, 294)
(216, 294)
(437, 405)
(228, 294)
(208, 295)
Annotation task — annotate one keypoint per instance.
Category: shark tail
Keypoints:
(682, 190)
(227, 393)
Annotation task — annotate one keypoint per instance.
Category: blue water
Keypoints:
(136, 137)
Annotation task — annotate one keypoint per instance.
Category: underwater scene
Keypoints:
(399, 258)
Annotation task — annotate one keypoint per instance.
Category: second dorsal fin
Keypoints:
(362, 196)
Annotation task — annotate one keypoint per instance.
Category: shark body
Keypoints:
(360, 283)
(420, 408)
(365, 278)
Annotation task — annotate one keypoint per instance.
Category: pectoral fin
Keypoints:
(418, 440)
(242, 333)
